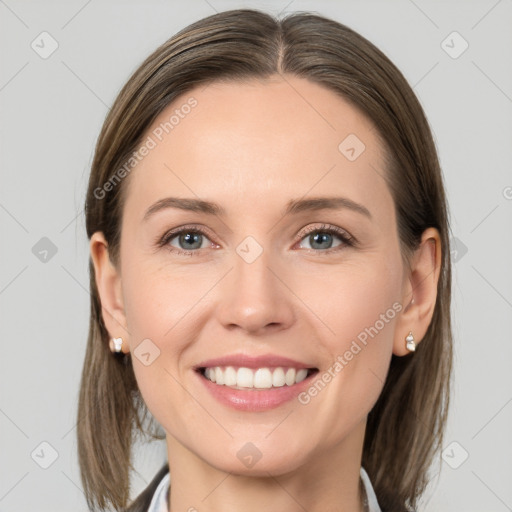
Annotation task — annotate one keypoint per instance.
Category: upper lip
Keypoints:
(247, 361)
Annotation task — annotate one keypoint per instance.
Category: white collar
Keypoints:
(160, 498)
(373, 504)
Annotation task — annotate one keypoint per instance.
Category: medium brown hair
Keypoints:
(405, 427)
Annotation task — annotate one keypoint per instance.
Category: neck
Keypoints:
(329, 480)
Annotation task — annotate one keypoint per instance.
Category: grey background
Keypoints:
(51, 113)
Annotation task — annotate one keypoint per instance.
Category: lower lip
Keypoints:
(254, 400)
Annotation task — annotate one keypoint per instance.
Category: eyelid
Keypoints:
(346, 238)
(194, 228)
(327, 228)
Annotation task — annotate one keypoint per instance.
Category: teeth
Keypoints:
(219, 376)
(301, 375)
(230, 377)
(244, 378)
(278, 378)
(290, 377)
(261, 378)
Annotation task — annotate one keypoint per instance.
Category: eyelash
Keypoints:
(348, 240)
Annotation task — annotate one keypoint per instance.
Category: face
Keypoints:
(271, 274)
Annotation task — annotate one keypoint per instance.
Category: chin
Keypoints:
(258, 459)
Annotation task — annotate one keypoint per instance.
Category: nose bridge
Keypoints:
(252, 297)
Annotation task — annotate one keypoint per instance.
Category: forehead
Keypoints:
(256, 143)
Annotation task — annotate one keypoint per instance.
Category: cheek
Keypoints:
(360, 310)
(164, 304)
(156, 307)
(356, 302)
(157, 299)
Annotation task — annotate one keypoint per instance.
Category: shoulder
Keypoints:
(143, 500)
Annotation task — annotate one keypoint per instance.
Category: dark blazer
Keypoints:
(141, 503)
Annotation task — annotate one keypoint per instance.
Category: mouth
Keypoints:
(243, 378)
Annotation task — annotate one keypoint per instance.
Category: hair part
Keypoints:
(405, 427)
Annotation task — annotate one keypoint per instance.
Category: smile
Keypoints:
(255, 383)
(255, 378)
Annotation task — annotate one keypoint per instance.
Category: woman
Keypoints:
(270, 275)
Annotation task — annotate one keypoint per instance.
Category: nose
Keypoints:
(255, 298)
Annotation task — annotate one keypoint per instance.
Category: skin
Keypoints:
(251, 147)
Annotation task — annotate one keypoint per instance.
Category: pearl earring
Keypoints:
(411, 345)
(116, 344)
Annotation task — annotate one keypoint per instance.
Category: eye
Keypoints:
(322, 238)
(185, 240)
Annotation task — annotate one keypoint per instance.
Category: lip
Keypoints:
(255, 400)
(247, 361)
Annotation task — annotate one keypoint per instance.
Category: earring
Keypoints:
(411, 345)
(116, 344)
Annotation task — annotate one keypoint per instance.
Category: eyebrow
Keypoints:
(294, 206)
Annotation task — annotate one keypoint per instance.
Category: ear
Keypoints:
(108, 283)
(419, 291)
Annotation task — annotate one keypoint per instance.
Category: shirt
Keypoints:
(160, 499)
